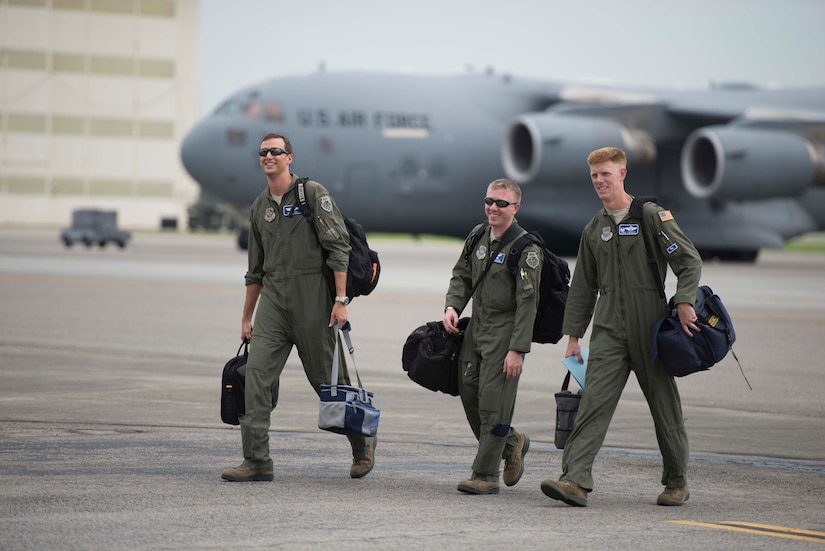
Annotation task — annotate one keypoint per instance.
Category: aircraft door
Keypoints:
(362, 185)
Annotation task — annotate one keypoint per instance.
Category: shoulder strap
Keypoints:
(518, 246)
(301, 195)
(472, 241)
(506, 238)
(637, 211)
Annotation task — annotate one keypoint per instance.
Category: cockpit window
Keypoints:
(230, 107)
(253, 108)
(249, 108)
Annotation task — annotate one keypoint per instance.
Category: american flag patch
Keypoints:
(665, 215)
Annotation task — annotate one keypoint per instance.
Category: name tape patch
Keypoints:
(628, 229)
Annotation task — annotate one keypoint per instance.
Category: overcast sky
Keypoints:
(672, 43)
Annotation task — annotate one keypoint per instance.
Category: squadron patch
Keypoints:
(665, 215)
(481, 252)
(628, 229)
(532, 259)
(326, 203)
(607, 234)
(269, 215)
(499, 258)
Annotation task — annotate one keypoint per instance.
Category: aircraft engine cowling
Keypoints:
(748, 163)
(552, 147)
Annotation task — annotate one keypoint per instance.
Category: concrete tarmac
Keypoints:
(111, 435)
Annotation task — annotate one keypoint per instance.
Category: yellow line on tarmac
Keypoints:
(763, 529)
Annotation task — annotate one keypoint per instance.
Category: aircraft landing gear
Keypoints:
(243, 239)
(729, 255)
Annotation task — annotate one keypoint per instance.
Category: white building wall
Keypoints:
(96, 97)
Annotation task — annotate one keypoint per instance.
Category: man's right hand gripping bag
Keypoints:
(430, 356)
(682, 355)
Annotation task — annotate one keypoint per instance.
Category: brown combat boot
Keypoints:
(673, 496)
(514, 464)
(245, 473)
(362, 466)
(566, 491)
(478, 487)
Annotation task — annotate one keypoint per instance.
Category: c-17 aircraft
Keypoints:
(741, 167)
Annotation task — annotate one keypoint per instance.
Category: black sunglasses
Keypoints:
(274, 150)
(500, 203)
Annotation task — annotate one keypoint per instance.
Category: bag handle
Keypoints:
(566, 382)
(335, 361)
(245, 346)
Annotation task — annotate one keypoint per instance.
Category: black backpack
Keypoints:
(232, 388)
(364, 267)
(553, 288)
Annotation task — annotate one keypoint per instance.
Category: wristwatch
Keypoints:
(342, 300)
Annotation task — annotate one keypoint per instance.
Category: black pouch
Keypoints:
(232, 388)
(567, 406)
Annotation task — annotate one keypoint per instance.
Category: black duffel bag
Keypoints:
(430, 356)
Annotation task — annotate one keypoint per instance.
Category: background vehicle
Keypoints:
(92, 226)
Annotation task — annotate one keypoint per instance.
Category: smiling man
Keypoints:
(614, 285)
(497, 338)
(286, 281)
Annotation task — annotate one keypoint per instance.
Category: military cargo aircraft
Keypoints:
(741, 167)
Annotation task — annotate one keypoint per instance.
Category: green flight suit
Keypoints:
(504, 309)
(286, 258)
(612, 265)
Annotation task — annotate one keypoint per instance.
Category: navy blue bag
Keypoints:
(682, 355)
(346, 409)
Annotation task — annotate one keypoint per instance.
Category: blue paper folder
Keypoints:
(575, 368)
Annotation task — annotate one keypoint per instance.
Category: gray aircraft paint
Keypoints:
(742, 168)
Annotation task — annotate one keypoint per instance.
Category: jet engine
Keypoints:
(553, 147)
(749, 163)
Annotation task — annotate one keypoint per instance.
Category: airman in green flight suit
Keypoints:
(286, 261)
(614, 285)
(497, 338)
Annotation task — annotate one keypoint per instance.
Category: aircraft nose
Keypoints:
(200, 156)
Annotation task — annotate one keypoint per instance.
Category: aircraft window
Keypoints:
(253, 110)
(230, 107)
(235, 136)
(273, 111)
